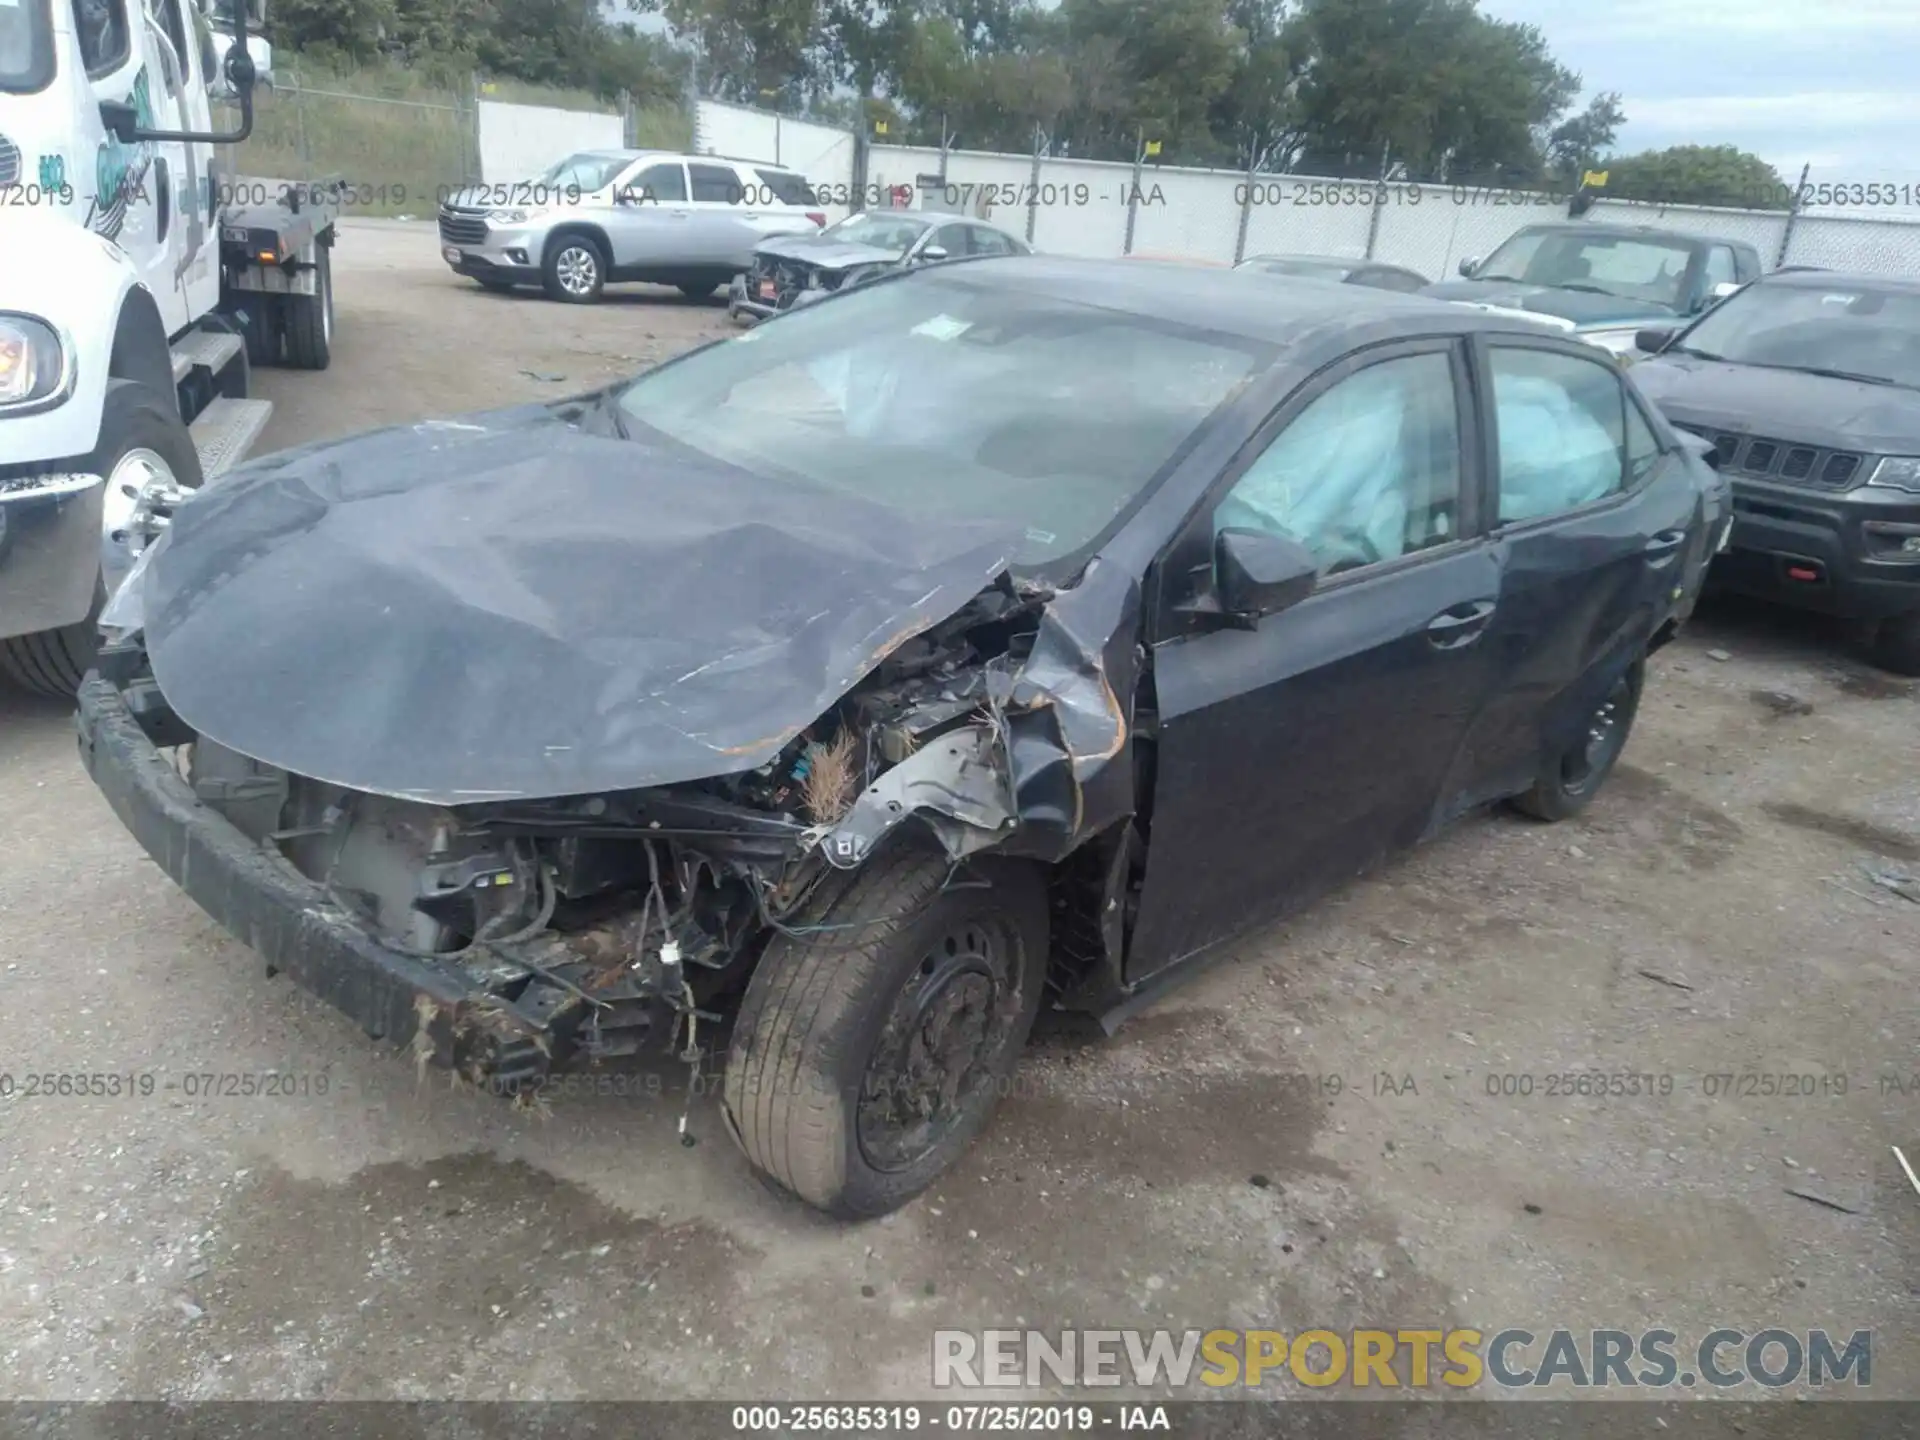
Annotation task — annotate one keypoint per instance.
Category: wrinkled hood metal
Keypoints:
(828, 254)
(520, 605)
(1783, 404)
(1584, 309)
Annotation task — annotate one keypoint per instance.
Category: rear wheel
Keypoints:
(1569, 782)
(872, 1046)
(575, 272)
(263, 327)
(1896, 646)
(148, 458)
(309, 318)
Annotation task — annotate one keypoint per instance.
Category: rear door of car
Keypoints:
(650, 221)
(1593, 517)
(1292, 755)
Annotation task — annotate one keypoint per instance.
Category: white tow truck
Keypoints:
(139, 283)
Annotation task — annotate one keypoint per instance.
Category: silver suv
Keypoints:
(603, 216)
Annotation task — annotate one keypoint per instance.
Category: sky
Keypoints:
(1794, 81)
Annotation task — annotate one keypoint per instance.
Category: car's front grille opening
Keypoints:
(463, 227)
(1781, 460)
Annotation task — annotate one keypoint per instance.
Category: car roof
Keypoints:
(631, 155)
(1809, 279)
(1305, 259)
(1282, 310)
(1692, 237)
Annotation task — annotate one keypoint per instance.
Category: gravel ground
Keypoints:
(1303, 1136)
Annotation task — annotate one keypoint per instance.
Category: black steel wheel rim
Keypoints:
(933, 1064)
(1605, 737)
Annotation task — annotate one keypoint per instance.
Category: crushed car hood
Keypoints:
(523, 604)
(1786, 404)
(828, 254)
(1582, 308)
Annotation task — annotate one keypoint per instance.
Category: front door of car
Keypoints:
(650, 221)
(1593, 520)
(1295, 753)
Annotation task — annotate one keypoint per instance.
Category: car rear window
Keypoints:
(26, 45)
(787, 187)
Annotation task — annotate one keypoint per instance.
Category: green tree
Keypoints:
(758, 52)
(1697, 175)
(1580, 140)
(353, 28)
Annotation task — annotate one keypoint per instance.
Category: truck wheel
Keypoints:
(264, 329)
(309, 318)
(1568, 784)
(1897, 645)
(145, 453)
(873, 1043)
(574, 271)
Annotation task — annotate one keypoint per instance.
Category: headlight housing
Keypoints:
(507, 217)
(36, 364)
(1897, 472)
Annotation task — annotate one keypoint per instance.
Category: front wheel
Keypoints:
(575, 272)
(874, 1042)
(1569, 781)
(1896, 646)
(148, 458)
(698, 290)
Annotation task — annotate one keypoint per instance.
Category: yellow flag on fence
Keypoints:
(1596, 178)
(879, 127)
(1153, 147)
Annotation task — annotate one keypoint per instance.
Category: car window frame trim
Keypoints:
(1167, 623)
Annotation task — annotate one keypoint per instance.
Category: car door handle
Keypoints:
(1460, 624)
(1665, 545)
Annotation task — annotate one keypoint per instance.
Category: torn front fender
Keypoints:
(958, 785)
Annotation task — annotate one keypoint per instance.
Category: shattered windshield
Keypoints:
(1847, 329)
(954, 401)
(1632, 267)
(26, 45)
(884, 232)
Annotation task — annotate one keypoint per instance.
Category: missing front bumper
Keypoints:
(503, 1020)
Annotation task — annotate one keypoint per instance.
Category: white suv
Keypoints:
(604, 216)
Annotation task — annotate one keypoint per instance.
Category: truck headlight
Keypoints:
(507, 217)
(36, 368)
(1897, 472)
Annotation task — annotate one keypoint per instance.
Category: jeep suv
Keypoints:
(604, 216)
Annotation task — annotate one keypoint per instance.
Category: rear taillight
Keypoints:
(816, 217)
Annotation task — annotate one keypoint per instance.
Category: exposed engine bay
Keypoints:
(604, 925)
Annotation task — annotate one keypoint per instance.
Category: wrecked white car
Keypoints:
(1001, 633)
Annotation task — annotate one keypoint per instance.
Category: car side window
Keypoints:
(716, 184)
(658, 183)
(988, 242)
(1721, 269)
(1368, 471)
(101, 28)
(1562, 422)
(954, 239)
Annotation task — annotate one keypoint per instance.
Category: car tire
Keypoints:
(699, 291)
(1896, 644)
(575, 270)
(831, 1051)
(308, 319)
(135, 421)
(1568, 783)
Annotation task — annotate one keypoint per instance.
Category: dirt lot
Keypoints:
(1711, 917)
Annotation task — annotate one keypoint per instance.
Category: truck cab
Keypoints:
(139, 281)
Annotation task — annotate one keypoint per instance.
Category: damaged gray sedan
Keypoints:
(828, 699)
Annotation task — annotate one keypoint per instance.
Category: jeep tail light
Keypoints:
(817, 217)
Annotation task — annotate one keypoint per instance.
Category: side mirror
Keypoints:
(1469, 264)
(121, 120)
(934, 252)
(1257, 573)
(1725, 288)
(1655, 338)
